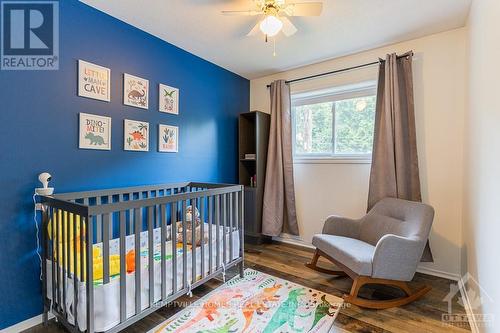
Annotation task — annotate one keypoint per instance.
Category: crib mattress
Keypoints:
(107, 296)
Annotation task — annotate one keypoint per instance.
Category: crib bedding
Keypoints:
(107, 296)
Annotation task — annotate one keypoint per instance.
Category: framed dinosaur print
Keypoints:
(95, 132)
(135, 91)
(94, 81)
(169, 99)
(135, 135)
(168, 139)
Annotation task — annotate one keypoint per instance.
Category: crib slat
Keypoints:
(75, 268)
(217, 231)
(173, 236)
(59, 256)
(151, 255)
(242, 234)
(98, 202)
(123, 267)
(67, 270)
(105, 247)
(193, 240)
(138, 228)
(202, 235)
(236, 216)
(131, 214)
(210, 221)
(184, 244)
(82, 249)
(90, 276)
(224, 218)
(231, 218)
(64, 222)
(111, 234)
(54, 254)
(163, 261)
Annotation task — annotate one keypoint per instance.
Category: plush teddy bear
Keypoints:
(189, 228)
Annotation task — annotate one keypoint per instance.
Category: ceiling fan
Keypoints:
(275, 15)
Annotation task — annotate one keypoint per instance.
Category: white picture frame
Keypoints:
(168, 99)
(94, 81)
(168, 138)
(94, 132)
(135, 91)
(135, 135)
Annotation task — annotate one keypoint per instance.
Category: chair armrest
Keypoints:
(396, 257)
(341, 226)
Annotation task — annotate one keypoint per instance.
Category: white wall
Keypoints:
(439, 86)
(482, 159)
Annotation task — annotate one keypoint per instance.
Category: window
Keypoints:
(336, 123)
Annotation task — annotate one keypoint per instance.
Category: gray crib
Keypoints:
(142, 221)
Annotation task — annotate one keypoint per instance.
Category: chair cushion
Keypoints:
(355, 254)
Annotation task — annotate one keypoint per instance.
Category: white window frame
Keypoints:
(333, 94)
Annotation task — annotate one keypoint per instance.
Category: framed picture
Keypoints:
(94, 81)
(95, 132)
(135, 91)
(169, 99)
(168, 139)
(135, 135)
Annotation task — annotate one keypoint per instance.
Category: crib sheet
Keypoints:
(107, 296)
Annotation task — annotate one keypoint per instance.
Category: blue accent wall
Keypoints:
(39, 132)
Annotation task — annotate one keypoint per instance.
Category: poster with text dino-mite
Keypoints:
(95, 132)
(135, 91)
(169, 99)
(136, 135)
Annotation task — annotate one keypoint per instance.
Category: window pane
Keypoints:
(313, 128)
(354, 119)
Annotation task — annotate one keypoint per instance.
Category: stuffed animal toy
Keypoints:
(189, 228)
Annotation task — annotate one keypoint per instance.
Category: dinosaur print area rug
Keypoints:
(257, 303)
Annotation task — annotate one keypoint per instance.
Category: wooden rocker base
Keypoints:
(361, 280)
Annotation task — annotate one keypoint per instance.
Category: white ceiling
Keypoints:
(345, 27)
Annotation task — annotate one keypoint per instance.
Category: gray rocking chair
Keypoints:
(383, 247)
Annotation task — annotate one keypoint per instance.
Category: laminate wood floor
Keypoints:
(287, 261)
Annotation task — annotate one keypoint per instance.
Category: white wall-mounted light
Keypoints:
(271, 25)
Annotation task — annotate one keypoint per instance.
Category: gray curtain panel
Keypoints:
(394, 170)
(279, 213)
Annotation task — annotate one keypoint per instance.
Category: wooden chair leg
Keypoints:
(360, 281)
(356, 286)
(314, 266)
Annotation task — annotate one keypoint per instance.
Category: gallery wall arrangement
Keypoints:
(197, 101)
(95, 131)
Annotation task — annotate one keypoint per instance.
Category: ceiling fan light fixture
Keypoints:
(271, 25)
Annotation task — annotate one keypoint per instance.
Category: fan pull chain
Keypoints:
(274, 47)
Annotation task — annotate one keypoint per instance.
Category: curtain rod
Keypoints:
(343, 69)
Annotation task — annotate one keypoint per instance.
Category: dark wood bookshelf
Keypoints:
(253, 139)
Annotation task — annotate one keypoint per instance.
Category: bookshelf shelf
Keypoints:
(253, 139)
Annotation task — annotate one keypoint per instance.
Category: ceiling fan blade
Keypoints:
(241, 12)
(255, 30)
(288, 27)
(304, 9)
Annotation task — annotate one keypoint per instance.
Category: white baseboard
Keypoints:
(468, 307)
(438, 273)
(24, 325)
(293, 240)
